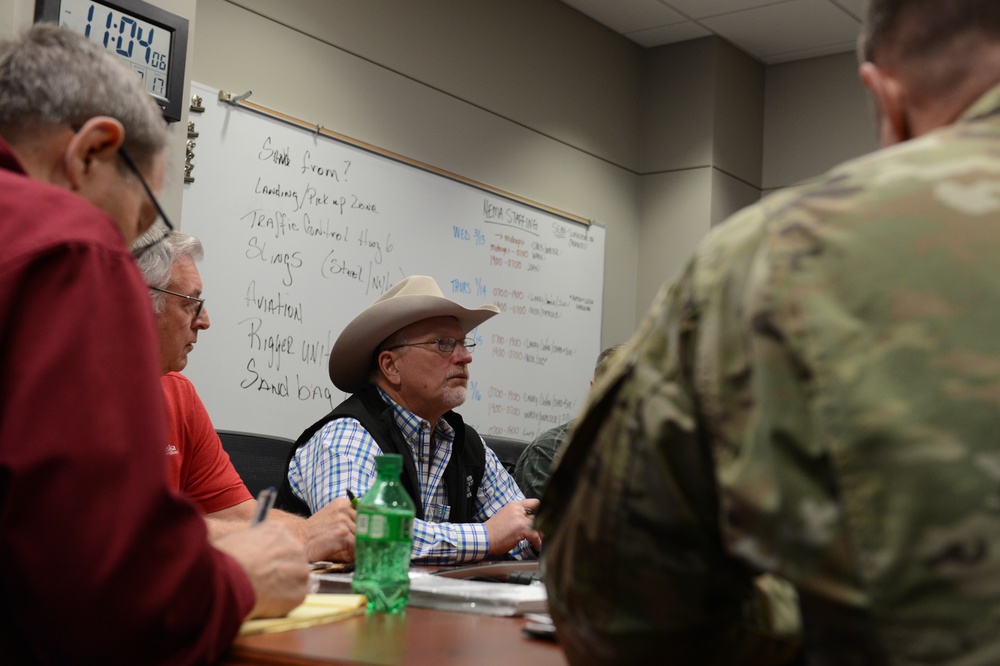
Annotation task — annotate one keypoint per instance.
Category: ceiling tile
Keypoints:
(625, 16)
(777, 29)
(668, 34)
(812, 52)
(855, 7)
(698, 9)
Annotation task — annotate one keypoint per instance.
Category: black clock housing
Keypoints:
(152, 41)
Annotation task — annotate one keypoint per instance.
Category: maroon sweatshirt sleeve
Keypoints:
(99, 560)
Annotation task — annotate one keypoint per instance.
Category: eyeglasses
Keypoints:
(444, 345)
(160, 229)
(199, 301)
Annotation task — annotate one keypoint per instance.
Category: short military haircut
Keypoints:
(52, 77)
(942, 48)
(604, 360)
(909, 29)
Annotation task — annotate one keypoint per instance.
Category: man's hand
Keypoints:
(275, 561)
(329, 533)
(508, 526)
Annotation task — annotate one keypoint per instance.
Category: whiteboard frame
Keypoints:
(240, 101)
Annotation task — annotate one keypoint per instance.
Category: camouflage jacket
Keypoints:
(818, 397)
(534, 465)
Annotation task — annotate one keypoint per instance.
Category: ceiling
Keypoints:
(771, 31)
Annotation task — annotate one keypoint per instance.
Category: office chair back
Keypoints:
(260, 460)
(508, 450)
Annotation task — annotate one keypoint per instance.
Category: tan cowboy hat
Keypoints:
(413, 299)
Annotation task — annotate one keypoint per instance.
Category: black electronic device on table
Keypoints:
(522, 572)
(539, 625)
(152, 41)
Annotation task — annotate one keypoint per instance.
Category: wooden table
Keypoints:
(420, 637)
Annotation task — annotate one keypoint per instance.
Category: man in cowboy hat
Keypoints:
(405, 360)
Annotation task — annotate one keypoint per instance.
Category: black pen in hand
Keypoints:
(354, 500)
(265, 500)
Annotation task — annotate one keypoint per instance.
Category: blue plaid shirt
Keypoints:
(341, 457)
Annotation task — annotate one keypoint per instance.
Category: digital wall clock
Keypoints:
(152, 41)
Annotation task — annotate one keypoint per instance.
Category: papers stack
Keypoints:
(316, 609)
(455, 594)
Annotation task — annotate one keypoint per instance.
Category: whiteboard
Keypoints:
(302, 232)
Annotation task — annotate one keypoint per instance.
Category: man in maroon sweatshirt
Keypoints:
(99, 560)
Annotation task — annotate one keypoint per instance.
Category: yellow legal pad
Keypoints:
(316, 609)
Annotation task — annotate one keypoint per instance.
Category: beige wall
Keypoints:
(534, 98)
(703, 107)
(537, 63)
(14, 15)
(816, 115)
(173, 187)
(674, 218)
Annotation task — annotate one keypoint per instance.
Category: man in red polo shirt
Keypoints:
(197, 464)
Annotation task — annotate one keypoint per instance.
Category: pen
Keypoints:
(354, 500)
(265, 500)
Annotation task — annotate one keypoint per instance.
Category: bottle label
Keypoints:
(384, 527)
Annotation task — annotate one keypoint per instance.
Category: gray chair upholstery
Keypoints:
(260, 460)
(508, 450)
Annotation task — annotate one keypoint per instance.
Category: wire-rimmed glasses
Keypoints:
(444, 345)
(161, 227)
(199, 301)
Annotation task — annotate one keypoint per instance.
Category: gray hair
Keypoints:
(157, 263)
(397, 338)
(53, 77)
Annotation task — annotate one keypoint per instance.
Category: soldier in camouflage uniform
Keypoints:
(534, 465)
(817, 397)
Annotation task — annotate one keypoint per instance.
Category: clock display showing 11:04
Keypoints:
(144, 46)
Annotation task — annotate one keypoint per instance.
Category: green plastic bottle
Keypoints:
(384, 540)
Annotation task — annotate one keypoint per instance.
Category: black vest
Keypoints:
(462, 476)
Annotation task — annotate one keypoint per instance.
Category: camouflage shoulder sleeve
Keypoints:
(635, 489)
(534, 465)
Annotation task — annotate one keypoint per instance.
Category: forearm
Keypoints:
(228, 520)
(238, 517)
(303, 530)
(326, 535)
